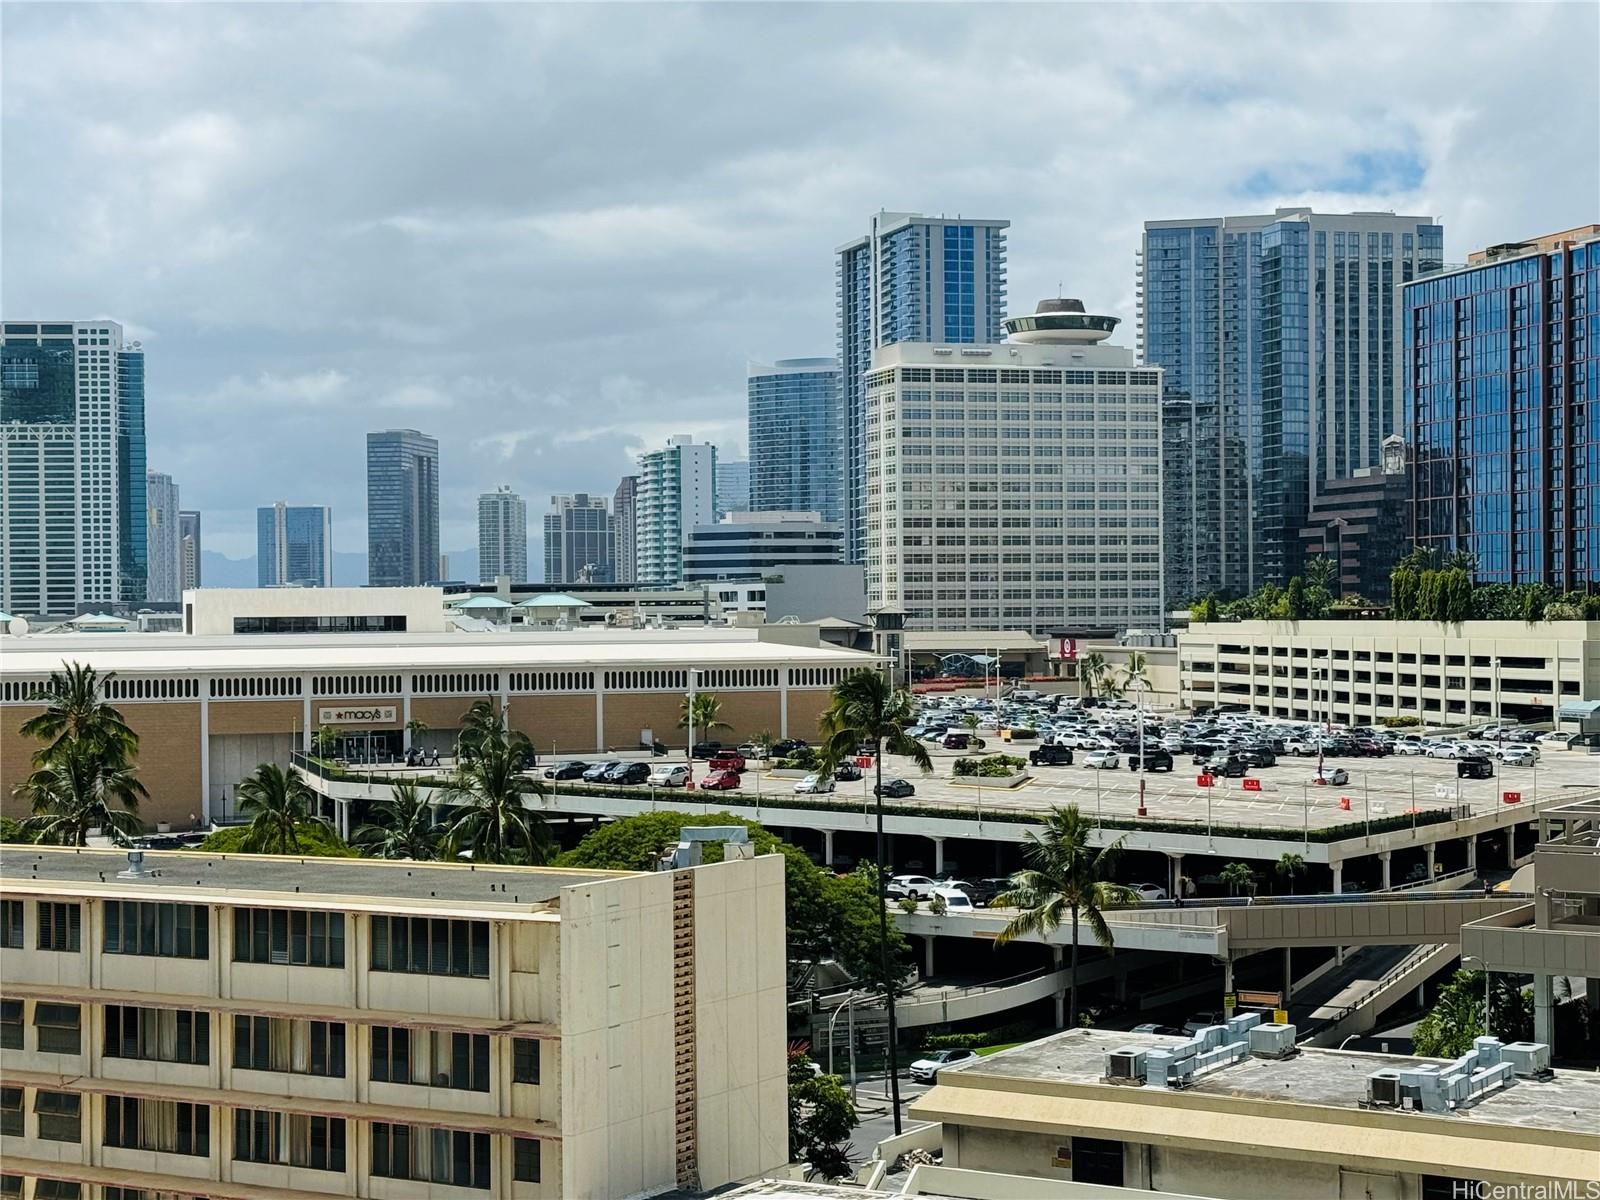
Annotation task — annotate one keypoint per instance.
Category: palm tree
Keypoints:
(1091, 673)
(402, 826)
(702, 711)
(278, 802)
(1067, 875)
(764, 742)
(1135, 673)
(78, 788)
(867, 708)
(325, 742)
(1290, 865)
(416, 729)
(74, 711)
(492, 822)
(970, 721)
(1239, 878)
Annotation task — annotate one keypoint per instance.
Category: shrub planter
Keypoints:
(991, 781)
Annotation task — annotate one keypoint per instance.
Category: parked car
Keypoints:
(955, 899)
(1258, 756)
(787, 747)
(1558, 741)
(1518, 756)
(1443, 750)
(720, 781)
(1103, 760)
(814, 784)
(631, 773)
(1337, 776)
(750, 750)
(1149, 892)
(956, 741)
(566, 770)
(707, 749)
(895, 789)
(1299, 745)
(728, 760)
(847, 772)
(597, 772)
(1475, 766)
(926, 1070)
(1226, 765)
(668, 775)
(1049, 755)
(1154, 760)
(918, 886)
(985, 890)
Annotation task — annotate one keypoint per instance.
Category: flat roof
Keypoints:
(355, 882)
(175, 653)
(1330, 1078)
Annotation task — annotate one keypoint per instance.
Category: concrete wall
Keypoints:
(213, 609)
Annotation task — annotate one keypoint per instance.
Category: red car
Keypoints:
(720, 781)
(728, 761)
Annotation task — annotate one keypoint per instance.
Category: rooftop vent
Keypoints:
(1125, 1065)
(1272, 1041)
(136, 868)
(1527, 1059)
(1383, 1089)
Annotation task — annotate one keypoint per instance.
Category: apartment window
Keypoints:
(525, 1160)
(60, 1028)
(436, 1058)
(10, 1187)
(59, 926)
(302, 939)
(170, 1126)
(437, 1155)
(156, 929)
(288, 1139)
(57, 1189)
(58, 1114)
(525, 1060)
(11, 924)
(158, 1034)
(11, 1111)
(430, 946)
(296, 1047)
(10, 1024)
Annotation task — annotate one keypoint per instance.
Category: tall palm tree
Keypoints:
(1135, 672)
(867, 709)
(402, 826)
(415, 729)
(78, 788)
(1238, 876)
(74, 711)
(705, 710)
(491, 822)
(1091, 673)
(1289, 865)
(277, 802)
(1066, 875)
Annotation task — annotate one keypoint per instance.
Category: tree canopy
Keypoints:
(315, 838)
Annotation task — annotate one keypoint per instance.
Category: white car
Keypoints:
(1557, 741)
(814, 784)
(1103, 760)
(1410, 747)
(926, 1070)
(1299, 745)
(1518, 756)
(1444, 750)
(1337, 776)
(664, 775)
(918, 886)
(1148, 892)
(955, 900)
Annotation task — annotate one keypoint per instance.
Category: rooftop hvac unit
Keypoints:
(1383, 1089)
(1125, 1065)
(1527, 1058)
(1272, 1041)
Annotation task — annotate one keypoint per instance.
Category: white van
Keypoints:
(955, 900)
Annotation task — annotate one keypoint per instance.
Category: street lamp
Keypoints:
(688, 751)
(850, 1029)
(1465, 959)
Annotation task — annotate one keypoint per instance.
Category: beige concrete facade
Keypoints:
(207, 711)
(587, 1077)
(1362, 671)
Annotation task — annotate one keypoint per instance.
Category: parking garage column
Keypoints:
(827, 849)
(1288, 974)
(1511, 847)
(927, 957)
(1383, 863)
(1176, 880)
(1429, 850)
(1472, 852)
(938, 856)
(1338, 877)
(1544, 1026)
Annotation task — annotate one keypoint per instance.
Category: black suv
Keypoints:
(706, 750)
(1226, 765)
(1155, 759)
(787, 747)
(1050, 755)
(1474, 766)
(1259, 756)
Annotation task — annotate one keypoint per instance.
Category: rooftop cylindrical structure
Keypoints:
(1060, 322)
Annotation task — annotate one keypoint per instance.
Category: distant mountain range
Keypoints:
(349, 569)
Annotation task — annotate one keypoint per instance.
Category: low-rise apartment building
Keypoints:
(1362, 671)
(261, 1028)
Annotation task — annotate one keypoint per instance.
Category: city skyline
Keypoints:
(730, 257)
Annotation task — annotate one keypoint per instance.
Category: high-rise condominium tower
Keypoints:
(624, 517)
(1276, 335)
(733, 486)
(796, 438)
(402, 508)
(294, 545)
(1018, 486)
(502, 536)
(164, 579)
(189, 547)
(910, 279)
(580, 540)
(72, 474)
(677, 491)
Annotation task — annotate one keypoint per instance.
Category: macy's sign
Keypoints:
(355, 716)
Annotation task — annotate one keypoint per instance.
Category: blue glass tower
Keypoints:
(132, 531)
(910, 279)
(1277, 335)
(797, 437)
(1502, 385)
(294, 546)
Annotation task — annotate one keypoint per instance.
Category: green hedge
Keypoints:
(1017, 1031)
(1405, 722)
(994, 766)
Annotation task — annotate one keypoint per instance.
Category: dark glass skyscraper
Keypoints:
(797, 437)
(132, 535)
(1502, 384)
(1277, 336)
(910, 279)
(294, 545)
(402, 508)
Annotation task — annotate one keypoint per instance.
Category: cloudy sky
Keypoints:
(551, 235)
